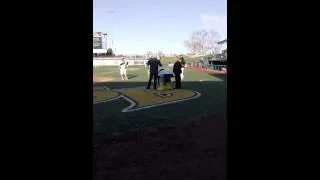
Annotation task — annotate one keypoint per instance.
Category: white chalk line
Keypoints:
(105, 87)
(131, 108)
(133, 104)
(114, 98)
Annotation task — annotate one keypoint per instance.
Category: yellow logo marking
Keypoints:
(140, 99)
(102, 95)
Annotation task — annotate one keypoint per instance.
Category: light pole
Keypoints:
(113, 30)
(105, 42)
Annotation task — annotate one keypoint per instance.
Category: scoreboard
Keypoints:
(97, 42)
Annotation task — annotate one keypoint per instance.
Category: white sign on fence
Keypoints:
(99, 51)
(103, 62)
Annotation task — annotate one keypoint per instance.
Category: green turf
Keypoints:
(109, 119)
(139, 73)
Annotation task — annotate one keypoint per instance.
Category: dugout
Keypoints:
(218, 64)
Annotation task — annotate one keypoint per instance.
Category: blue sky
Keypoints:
(137, 26)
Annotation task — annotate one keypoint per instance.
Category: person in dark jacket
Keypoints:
(153, 63)
(177, 72)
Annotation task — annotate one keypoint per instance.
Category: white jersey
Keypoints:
(123, 65)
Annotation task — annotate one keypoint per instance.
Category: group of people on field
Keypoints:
(157, 74)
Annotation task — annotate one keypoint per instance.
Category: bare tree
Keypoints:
(201, 41)
(212, 39)
(191, 45)
(194, 44)
(201, 37)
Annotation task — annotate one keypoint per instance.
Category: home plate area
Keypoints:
(140, 99)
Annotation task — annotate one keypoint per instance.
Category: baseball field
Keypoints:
(172, 134)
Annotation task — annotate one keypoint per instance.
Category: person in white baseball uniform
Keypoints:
(123, 69)
(148, 69)
(183, 63)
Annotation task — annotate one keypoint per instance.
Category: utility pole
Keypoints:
(113, 30)
(105, 42)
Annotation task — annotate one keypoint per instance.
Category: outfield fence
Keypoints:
(116, 62)
(213, 67)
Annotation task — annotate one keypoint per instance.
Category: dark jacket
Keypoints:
(177, 67)
(154, 64)
(183, 62)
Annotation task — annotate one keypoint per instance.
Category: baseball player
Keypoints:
(183, 63)
(123, 69)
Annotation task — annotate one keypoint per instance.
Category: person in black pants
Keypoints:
(177, 72)
(153, 63)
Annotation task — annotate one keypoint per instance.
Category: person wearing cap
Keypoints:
(153, 64)
(123, 69)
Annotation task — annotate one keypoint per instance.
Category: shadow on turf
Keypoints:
(204, 87)
(220, 76)
(194, 146)
(131, 76)
(185, 85)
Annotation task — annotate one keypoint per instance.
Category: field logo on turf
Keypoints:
(163, 95)
(140, 99)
